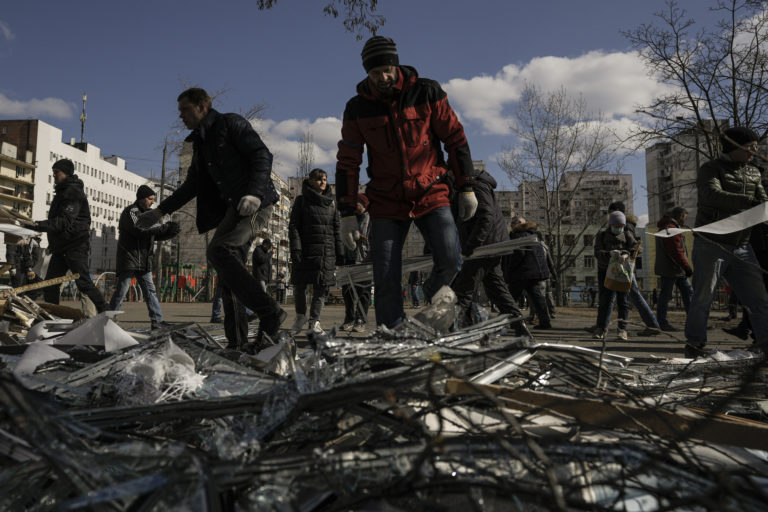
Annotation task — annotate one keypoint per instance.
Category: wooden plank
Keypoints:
(701, 425)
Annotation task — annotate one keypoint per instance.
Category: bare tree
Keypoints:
(358, 16)
(716, 77)
(559, 145)
(306, 154)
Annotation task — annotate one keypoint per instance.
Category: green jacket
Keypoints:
(726, 187)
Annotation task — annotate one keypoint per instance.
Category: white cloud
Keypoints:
(283, 140)
(6, 31)
(611, 83)
(52, 107)
(642, 220)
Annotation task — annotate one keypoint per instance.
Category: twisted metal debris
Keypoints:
(411, 419)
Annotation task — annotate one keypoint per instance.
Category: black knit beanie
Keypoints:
(64, 165)
(739, 136)
(379, 51)
(144, 192)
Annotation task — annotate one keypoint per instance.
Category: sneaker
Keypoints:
(598, 334)
(650, 331)
(314, 326)
(217, 320)
(299, 323)
(160, 325)
(668, 328)
(621, 335)
(347, 326)
(694, 351)
(592, 329)
(359, 328)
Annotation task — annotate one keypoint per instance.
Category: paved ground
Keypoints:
(569, 327)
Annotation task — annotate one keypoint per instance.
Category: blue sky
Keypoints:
(133, 58)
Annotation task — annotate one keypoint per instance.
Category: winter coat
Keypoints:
(69, 218)
(24, 256)
(487, 226)
(605, 242)
(136, 246)
(361, 252)
(229, 161)
(262, 264)
(671, 254)
(402, 136)
(726, 187)
(315, 238)
(527, 263)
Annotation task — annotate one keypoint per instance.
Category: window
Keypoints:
(589, 240)
(569, 240)
(589, 261)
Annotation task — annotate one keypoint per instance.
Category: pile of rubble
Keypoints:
(423, 417)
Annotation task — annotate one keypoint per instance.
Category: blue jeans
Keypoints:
(606, 300)
(665, 295)
(387, 240)
(739, 266)
(147, 290)
(645, 311)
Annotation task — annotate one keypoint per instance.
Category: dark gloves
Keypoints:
(688, 272)
(172, 229)
(41, 225)
(295, 256)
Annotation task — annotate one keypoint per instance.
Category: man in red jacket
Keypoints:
(401, 120)
(672, 266)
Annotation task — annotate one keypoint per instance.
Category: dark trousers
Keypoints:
(537, 297)
(77, 262)
(319, 291)
(488, 272)
(356, 311)
(227, 253)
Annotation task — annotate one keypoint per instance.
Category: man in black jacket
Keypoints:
(262, 263)
(134, 254)
(486, 227)
(68, 228)
(230, 176)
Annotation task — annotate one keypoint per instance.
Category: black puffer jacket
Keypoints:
(262, 264)
(487, 226)
(69, 219)
(726, 187)
(315, 239)
(528, 263)
(136, 246)
(229, 161)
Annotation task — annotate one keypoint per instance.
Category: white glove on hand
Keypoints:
(248, 205)
(467, 205)
(149, 218)
(350, 232)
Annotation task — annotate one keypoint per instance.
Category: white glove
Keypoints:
(248, 205)
(149, 218)
(467, 205)
(350, 232)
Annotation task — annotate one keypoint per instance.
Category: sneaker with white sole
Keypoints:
(621, 335)
(359, 328)
(299, 323)
(314, 326)
(598, 334)
(347, 326)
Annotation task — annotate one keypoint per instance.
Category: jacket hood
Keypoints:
(487, 178)
(666, 221)
(528, 226)
(406, 78)
(631, 219)
(70, 181)
(312, 195)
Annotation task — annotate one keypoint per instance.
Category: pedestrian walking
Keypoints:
(526, 270)
(672, 266)
(357, 296)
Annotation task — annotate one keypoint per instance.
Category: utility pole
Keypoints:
(83, 117)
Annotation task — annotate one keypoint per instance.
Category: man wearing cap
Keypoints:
(229, 175)
(401, 120)
(134, 254)
(68, 228)
(727, 185)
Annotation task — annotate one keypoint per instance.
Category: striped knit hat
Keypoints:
(379, 51)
